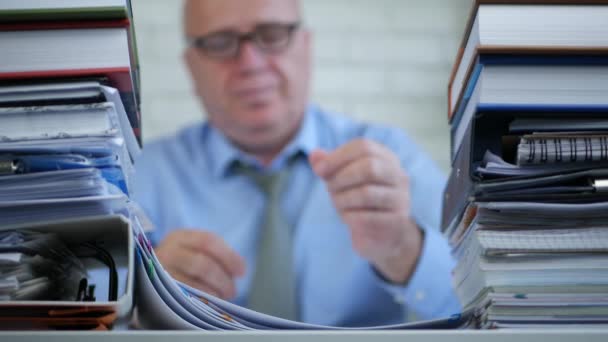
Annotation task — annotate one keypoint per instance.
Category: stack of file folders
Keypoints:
(526, 205)
(69, 126)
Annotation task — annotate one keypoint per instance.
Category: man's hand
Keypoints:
(371, 192)
(202, 260)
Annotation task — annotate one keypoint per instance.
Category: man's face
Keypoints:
(256, 98)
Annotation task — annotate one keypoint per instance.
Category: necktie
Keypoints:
(273, 287)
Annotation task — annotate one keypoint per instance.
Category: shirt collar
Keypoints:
(223, 153)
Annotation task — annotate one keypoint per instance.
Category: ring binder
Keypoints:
(562, 148)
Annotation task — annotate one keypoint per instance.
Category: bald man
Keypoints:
(361, 202)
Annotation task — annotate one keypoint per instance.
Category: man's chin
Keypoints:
(261, 141)
(260, 115)
(264, 130)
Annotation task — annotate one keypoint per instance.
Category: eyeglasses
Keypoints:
(270, 38)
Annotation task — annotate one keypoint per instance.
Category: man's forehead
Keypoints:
(203, 16)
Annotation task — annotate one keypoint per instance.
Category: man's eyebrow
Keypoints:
(257, 24)
(217, 30)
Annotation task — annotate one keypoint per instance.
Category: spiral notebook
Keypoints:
(562, 147)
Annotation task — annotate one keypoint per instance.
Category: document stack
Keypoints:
(526, 206)
(68, 125)
(164, 303)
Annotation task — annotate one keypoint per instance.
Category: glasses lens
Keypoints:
(223, 44)
(273, 37)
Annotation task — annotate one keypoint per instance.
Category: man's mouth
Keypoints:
(253, 93)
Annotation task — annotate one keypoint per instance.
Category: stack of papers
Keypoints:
(164, 303)
(532, 248)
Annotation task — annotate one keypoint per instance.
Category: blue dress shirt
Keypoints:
(186, 181)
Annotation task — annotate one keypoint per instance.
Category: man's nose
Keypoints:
(250, 57)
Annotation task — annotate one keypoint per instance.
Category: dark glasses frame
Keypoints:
(233, 40)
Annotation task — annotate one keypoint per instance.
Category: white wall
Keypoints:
(378, 60)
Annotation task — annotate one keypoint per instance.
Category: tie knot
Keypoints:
(271, 183)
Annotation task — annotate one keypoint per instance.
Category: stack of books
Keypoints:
(526, 205)
(52, 42)
(69, 130)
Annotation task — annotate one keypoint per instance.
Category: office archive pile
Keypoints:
(69, 130)
(526, 205)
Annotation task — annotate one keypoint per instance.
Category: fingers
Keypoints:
(216, 248)
(363, 175)
(204, 271)
(366, 170)
(187, 275)
(317, 155)
(202, 260)
(367, 197)
(327, 164)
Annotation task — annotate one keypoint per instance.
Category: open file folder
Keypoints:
(164, 303)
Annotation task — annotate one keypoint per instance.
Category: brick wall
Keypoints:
(378, 60)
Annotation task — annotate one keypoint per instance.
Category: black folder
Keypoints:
(489, 131)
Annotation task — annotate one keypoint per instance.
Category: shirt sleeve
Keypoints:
(428, 292)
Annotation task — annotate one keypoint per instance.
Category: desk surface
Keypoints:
(316, 336)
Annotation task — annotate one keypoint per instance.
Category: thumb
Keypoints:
(316, 159)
